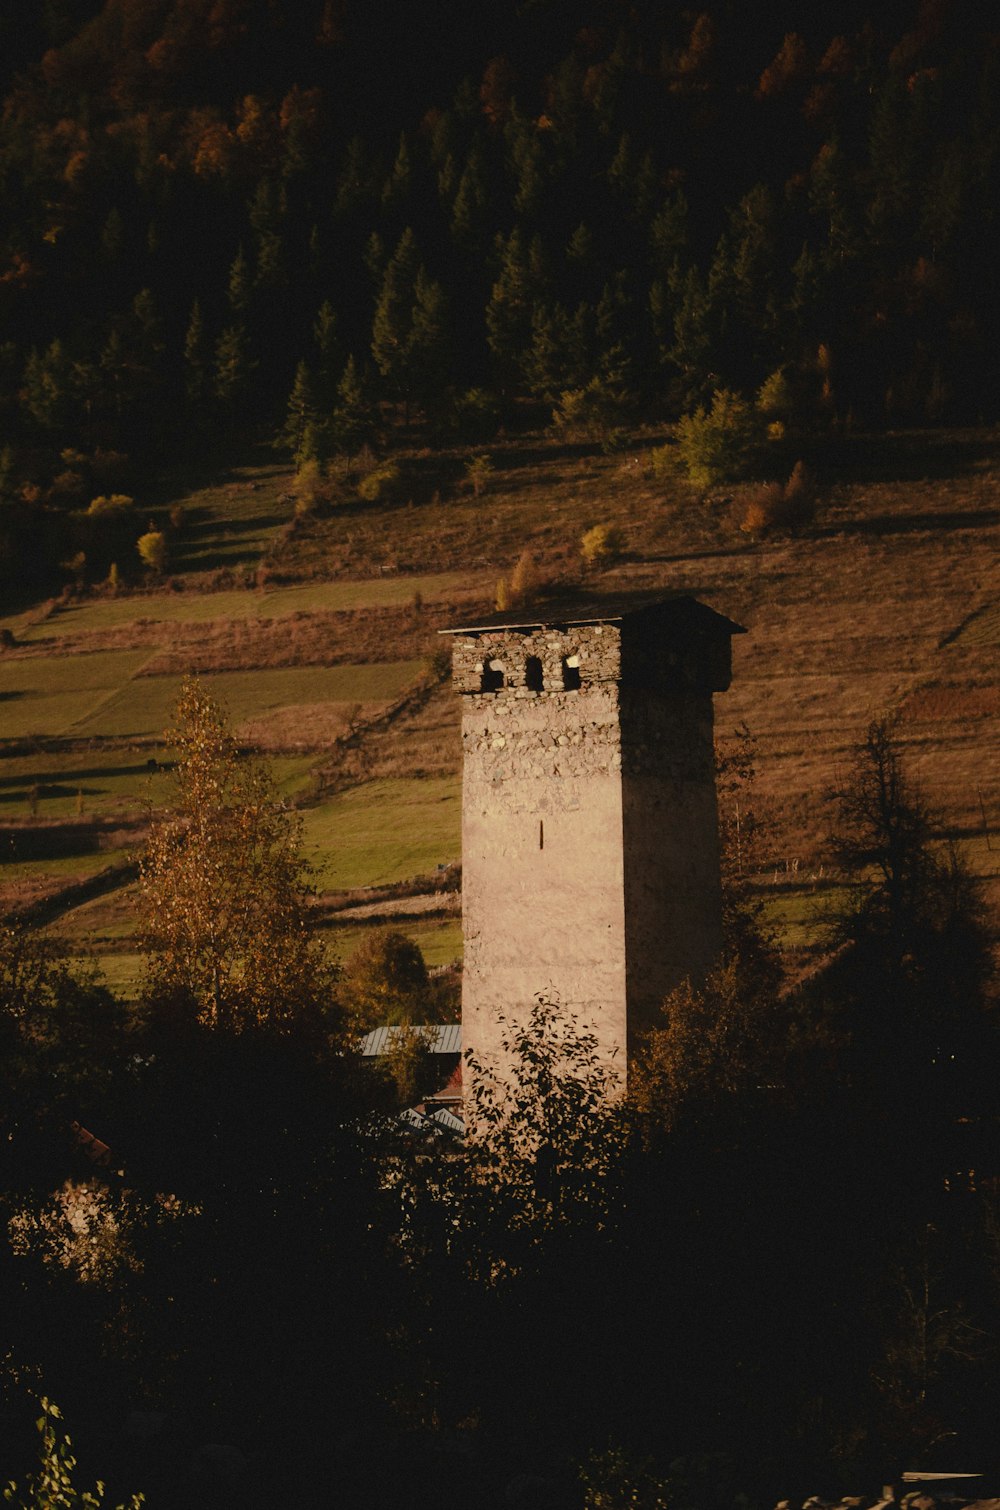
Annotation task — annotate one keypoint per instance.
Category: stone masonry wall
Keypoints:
(598, 647)
(589, 832)
(542, 869)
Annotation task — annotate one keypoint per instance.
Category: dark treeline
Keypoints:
(200, 198)
(772, 1269)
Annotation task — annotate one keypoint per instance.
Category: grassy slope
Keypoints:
(891, 602)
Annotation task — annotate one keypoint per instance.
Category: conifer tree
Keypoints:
(240, 287)
(428, 348)
(331, 357)
(397, 186)
(408, 328)
(511, 307)
(196, 379)
(301, 411)
(233, 367)
(46, 391)
(354, 419)
(472, 199)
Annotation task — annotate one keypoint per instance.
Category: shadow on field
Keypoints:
(57, 841)
(912, 524)
(53, 783)
(909, 456)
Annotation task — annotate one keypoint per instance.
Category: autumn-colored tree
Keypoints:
(152, 548)
(53, 1482)
(223, 896)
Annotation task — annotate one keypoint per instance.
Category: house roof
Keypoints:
(439, 1038)
(673, 609)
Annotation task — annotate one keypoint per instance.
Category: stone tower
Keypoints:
(590, 857)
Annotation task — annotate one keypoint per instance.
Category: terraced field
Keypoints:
(891, 602)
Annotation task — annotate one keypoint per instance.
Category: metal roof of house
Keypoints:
(439, 1038)
(678, 608)
(440, 1121)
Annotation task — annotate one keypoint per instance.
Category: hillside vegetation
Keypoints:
(888, 601)
(321, 328)
(293, 219)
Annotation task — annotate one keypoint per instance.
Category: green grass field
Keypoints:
(100, 695)
(203, 608)
(383, 832)
(440, 939)
(79, 782)
(51, 694)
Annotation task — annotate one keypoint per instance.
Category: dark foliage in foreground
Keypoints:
(774, 1265)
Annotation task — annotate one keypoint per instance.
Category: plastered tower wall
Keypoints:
(589, 830)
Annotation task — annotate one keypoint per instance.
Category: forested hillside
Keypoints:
(212, 205)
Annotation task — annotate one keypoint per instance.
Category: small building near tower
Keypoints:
(590, 848)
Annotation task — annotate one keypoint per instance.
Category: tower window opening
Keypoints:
(492, 676)
(571, 673)
(534, 677)
(541, 833)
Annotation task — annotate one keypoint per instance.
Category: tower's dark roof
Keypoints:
(678, 609)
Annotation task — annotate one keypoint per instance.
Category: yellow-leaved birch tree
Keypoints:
(223, 890)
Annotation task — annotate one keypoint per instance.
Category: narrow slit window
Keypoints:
(541, 833)
(534, 677)
(571, 673)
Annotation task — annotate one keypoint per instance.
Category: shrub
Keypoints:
(776, 400)
(776, 506)
(110, 503)
(663, 462)
(501, 596)
(800, 493)
(718, 444)
(477, 414)
(593, 413)
(478, 471)
(522, 580)
(602, 544)
(152, 548)
(381, 483)
(309, 488)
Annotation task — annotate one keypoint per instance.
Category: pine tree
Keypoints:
(472, 200)
(397, 186)
(240, 287)
(513, 299)
(331, 357)
(354, 418)
(233, 367)
(196, 380)
(301, 411)
(428, 353)
(393, 322)
(527, 161)
(46, 391)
